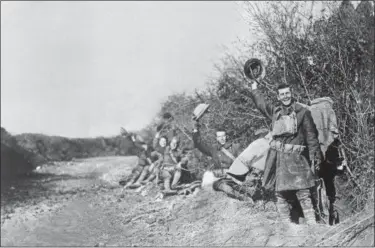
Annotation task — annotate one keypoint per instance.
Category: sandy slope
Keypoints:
(79, 204)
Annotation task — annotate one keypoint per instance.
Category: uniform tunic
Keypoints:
(290, 170)
(220, 159)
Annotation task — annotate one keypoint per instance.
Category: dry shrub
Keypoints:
(329, 54)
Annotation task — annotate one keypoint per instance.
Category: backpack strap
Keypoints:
(228, 153)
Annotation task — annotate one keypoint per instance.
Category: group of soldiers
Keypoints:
(293, 164)
(162, 161)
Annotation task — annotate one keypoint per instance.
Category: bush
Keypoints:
(320, 56)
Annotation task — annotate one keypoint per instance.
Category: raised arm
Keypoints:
(202, 146)
(205, 148)
(261, 103)
(155, 141)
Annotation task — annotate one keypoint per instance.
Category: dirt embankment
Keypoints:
(79, 204)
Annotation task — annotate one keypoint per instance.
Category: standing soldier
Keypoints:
(294, 152)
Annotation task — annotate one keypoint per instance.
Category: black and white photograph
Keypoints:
(187, 123)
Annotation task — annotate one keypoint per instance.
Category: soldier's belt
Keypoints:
(286, 148)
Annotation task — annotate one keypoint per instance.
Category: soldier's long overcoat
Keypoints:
(290, 171)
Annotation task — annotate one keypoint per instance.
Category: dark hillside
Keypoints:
(22, 153)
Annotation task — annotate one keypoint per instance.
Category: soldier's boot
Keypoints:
(304, 197)
(247, 193)
(284, 226)
(227, 186)
(132, 179)
(283, 209)
(176, 178)
(238, 194)
(333, 214)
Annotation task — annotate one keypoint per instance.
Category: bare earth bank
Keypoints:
(80, 204)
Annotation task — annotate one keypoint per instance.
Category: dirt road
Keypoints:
(80, 204)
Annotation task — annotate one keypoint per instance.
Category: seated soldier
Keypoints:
(173, 163)
(223, 154)
(159, 144)
(140, 171)
(154, 160)
(153, 170)
(174, 168)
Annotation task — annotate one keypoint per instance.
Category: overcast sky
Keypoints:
(83, 69)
